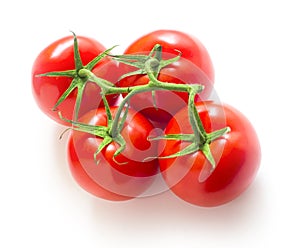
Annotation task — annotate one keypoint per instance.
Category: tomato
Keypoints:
(194, 66)
(59, 56)
(121, 178)
(237, 155)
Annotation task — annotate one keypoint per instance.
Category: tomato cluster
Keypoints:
(146, 115)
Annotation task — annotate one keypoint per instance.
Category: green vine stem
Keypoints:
(200, 140)
(153, 85)
(151, 65)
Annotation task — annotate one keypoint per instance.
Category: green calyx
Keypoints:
(200, 140)
(150, 65)
(79, 79)
(103, 132)
(194, 145)
(152, 62)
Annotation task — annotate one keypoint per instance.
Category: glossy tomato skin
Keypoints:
(59, 56)
(194, 67)
(126, 177)
(237, 156)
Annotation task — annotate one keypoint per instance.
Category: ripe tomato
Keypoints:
(59, 56)
(124, 177)
(194, 67)
(237, 156)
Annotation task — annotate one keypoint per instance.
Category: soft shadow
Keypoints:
(166, 211)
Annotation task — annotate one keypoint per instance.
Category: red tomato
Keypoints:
(194, 67)
(129, 176)
(237, 156)
(59, 56)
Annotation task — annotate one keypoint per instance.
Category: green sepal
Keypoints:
(217, 134)
(106, 141)
(122, 143)
(95, 61)
(207, 153)
(164, 63)
(99, 131)
(68, 73)
(133, 73)
(73, 86)
(194, 147)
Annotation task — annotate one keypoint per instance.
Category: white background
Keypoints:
(255, 48)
